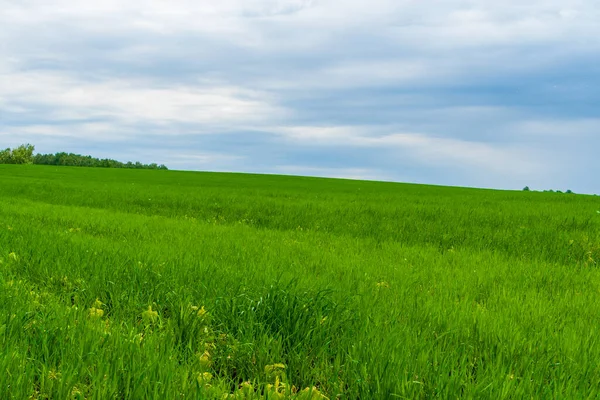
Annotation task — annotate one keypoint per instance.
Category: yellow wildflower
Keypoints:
(96, 312)
(98, 304)
(278, 390)
(150, 315)
(53, 375)
(205, 360)
(202, 312)
(312, 393)
(204, 377)
(247, 387)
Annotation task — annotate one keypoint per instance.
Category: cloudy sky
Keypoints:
(454, 92)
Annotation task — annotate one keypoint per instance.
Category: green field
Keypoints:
(134, 284)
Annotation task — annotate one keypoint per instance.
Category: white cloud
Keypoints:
(499, 159)
(571, 129)
(125, 101)
(426, 149)
(205, 161)
(452, 21)
(319, 135)
(97, 131)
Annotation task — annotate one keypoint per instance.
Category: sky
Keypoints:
(501, 94)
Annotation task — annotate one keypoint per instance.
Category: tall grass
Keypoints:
(165, 284)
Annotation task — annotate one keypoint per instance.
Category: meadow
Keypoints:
(131, 284)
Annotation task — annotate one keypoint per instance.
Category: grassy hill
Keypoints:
(168, 284)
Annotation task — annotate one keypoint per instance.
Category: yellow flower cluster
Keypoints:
(204, 379)
(96, 310)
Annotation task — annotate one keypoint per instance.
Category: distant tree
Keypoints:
(569, 191)
(526, 189)
(20, 155)
(6, 156)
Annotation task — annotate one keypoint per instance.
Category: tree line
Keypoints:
(23, 154)
(569, 191)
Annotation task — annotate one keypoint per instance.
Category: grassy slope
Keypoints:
(364, 289)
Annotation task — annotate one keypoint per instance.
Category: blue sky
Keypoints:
(467, 93)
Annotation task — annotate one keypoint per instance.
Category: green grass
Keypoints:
(360, 289)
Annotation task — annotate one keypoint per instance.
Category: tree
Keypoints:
(20, 155)
(5, 156)
(23, 154)
(526, 189)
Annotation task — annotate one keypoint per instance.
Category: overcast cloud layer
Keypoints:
(470, 93)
